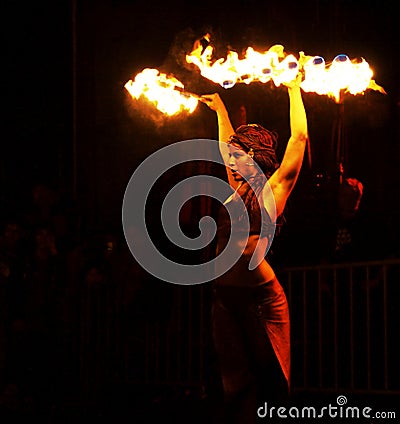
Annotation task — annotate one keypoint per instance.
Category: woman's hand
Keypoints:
(213, 101)
(295, 82)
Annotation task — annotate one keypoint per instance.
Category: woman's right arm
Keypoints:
(225, 128)
(215, 103)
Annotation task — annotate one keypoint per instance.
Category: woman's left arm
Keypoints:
(284, 178)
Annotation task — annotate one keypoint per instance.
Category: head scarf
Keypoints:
(262, 142)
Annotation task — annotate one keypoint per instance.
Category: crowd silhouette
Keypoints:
(60, 285)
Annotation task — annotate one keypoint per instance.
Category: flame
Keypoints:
(165, 92)
(341, 76)
(272, 64)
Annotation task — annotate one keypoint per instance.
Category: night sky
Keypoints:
(69, 120)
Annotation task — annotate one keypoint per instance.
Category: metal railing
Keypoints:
(345, 331)
(345, 326)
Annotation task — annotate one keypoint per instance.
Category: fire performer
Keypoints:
(250, 314)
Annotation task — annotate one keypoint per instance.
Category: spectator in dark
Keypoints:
(349, 197)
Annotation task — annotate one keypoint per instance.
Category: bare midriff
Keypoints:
(239, 274)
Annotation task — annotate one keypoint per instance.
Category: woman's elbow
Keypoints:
(301, 136)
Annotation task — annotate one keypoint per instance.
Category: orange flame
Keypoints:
(343, 75)
(255, 66)
(165, 92)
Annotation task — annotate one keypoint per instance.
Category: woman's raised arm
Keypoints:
(284, 178)
(225, 128)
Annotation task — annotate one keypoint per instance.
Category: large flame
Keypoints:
(341, 76)
(165, 92)
(273, 65)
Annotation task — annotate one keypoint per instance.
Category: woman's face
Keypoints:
(240, 163)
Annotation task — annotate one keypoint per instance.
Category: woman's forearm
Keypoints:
(225, 128)
(298, 118)
(215, 103)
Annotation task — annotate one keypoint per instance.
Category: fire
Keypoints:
(341, 76)
(273, 65)
(165, 92)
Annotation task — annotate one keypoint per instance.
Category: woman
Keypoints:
(251, 326)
